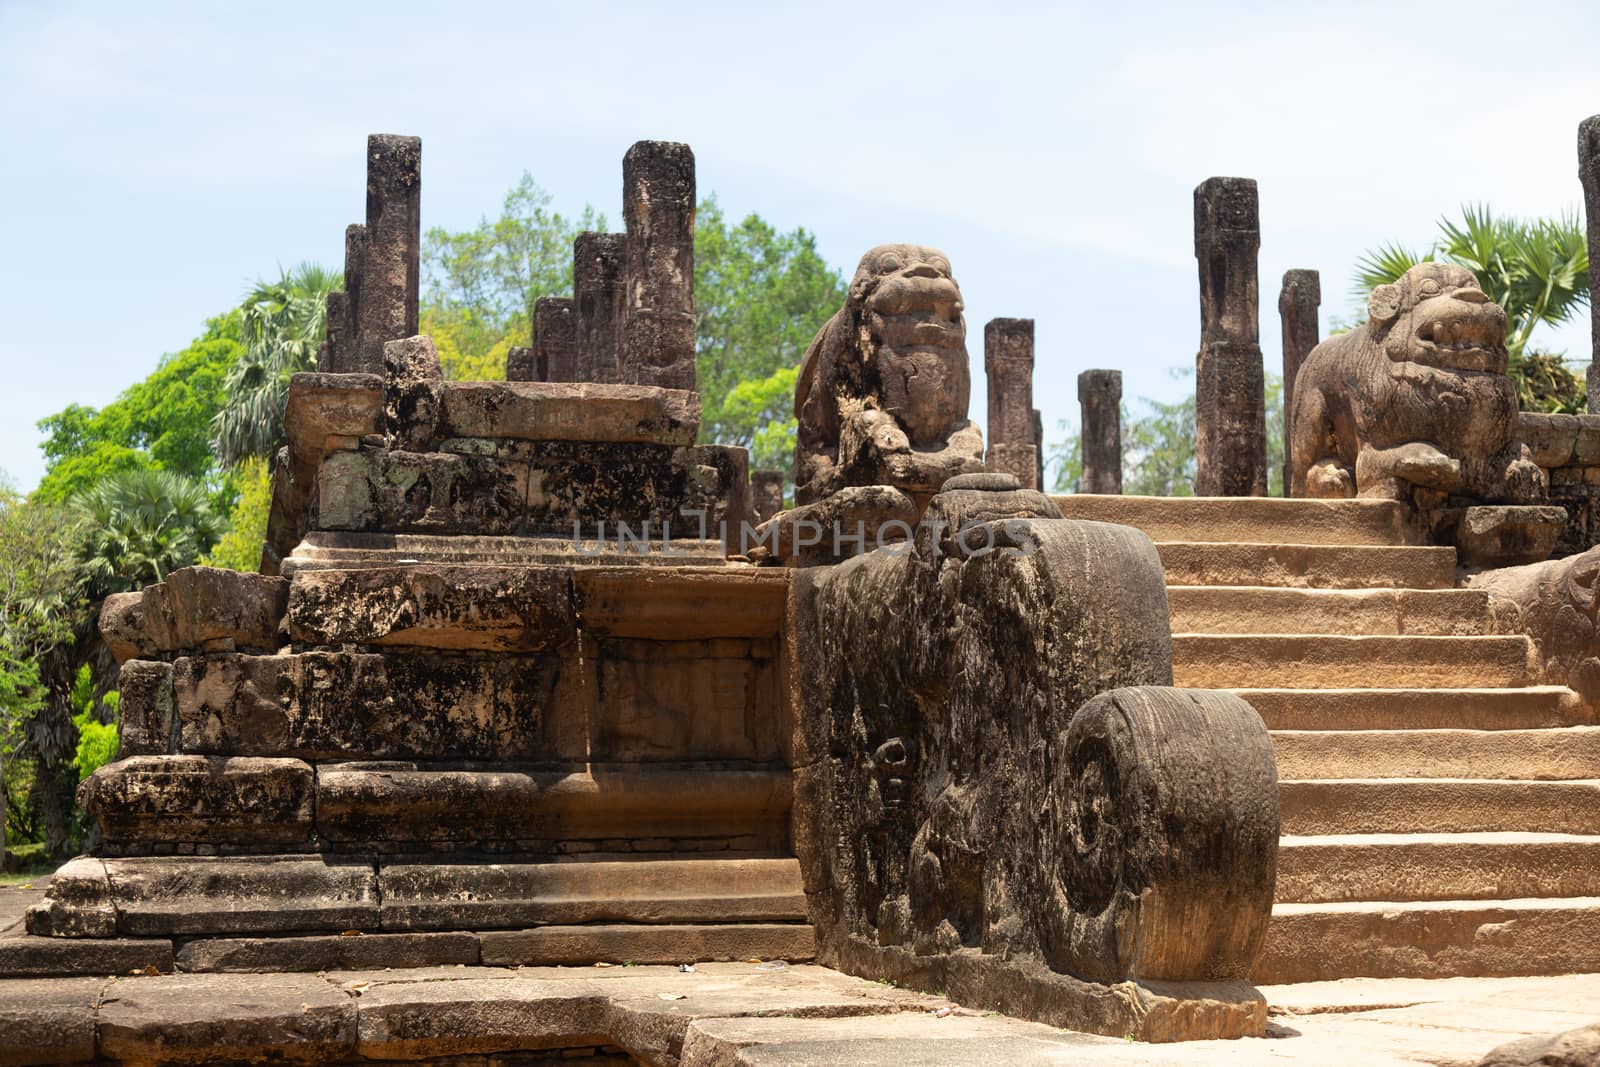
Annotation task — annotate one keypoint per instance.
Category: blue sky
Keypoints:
(156, 158)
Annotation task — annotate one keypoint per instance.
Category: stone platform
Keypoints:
(718, 1014)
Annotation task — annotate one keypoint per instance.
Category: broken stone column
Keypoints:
(766, 490)
(1589, 174)
(387, 308)
(658, 207)
(555, 354)
(598, 292)
(1100, 397)
(1008, 361)
(1298, 301)
(338, 353)
(1038, 452)
(522, 365)
(1230, 405)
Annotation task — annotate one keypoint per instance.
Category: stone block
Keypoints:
(196, 607)
(146, 716)
(497, 609)
(330, 952)
(514, 895)
(239, 800)
(48, 1022)
(412, 382)
(469, 1016)
(423, 492)
(555, 946)
(122, 626)
(1586, 452)
(1506, 536)
(571, 411)
(401, 705)
(252, 1018)
(28, 956)
(182, 896)
(697, 701)
(387, 805)
(1550, 437)
(79, 904)
(324, 408)
(681, 603)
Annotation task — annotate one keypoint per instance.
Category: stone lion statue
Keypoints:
(883, 390)
(1416, 399)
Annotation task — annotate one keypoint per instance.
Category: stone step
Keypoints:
(498, 895)
(1437, 805)
(618, 807)
(1529, 708)
(1430, 939)
(1307, 566)
(1224, 661)
(1552, 754)
(208, 896)
(176, 804)
(1264, 609)
(560, 945)
(1243, 519)
(1481, 866)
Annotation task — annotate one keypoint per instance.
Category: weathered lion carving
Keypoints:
(883, 390)
(1418, 398)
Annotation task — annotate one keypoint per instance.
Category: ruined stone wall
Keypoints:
(1568, 447)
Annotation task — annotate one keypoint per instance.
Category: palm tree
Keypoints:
(283, 323)
(1538, 270)
(143, 524)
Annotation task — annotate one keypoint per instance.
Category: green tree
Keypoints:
(281, 323)
(239, 548)
(143, 524)
(483, 282)
(41, 600)
(1536, 269)
(162, 422)
(760, 297)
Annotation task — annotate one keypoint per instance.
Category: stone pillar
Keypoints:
(1038, 451)
(766, 491)
(522, 365)
(1008, 361)
(555, 339)
(1100, 401)
(387, 308)
(1298, 301)
(658, 207)
(339, 353)
(1589, 174)
(1230, 405)
(597, 290)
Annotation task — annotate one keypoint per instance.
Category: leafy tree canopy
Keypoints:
(162, 422)
(282, 323)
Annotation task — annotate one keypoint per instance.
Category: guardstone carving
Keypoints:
(883, 390)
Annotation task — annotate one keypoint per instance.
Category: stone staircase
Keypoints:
(1441, 813)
